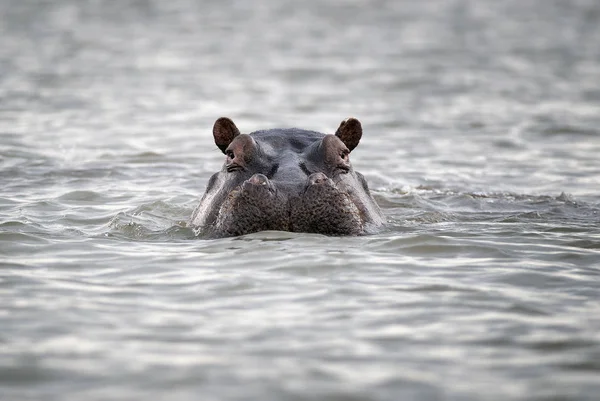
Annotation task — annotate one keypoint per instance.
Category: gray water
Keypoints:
(481, 144)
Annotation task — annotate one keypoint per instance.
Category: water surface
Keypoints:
(481, 145)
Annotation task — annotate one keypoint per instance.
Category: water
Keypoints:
(481, 145)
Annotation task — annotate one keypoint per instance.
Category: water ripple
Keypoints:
(483, 285)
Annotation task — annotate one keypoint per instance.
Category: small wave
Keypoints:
(26, 371)
(136, 231)
(145, 157)
(157, 220)
(80, 196)
(21, 238)
(424, 206)
(12, 224)
(569, 130)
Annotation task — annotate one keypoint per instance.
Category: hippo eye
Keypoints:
(230, 163)
(344, 165)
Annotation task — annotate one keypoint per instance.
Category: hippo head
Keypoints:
(288, 180)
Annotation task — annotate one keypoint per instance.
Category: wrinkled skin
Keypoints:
(288, 180)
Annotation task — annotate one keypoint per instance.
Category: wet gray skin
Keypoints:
(288, 180)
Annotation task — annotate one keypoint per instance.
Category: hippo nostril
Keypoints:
(317, 178)
(259, 179)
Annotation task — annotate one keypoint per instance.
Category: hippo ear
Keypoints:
(224, 131)
(350, 132)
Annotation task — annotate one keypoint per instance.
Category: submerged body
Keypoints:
(288, 180)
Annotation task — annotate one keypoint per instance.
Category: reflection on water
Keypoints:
(481, 142)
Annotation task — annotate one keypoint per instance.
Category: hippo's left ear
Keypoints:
(224, 131)
(350, 132)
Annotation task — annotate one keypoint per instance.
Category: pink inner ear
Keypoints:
(224, 131)
(350, 132)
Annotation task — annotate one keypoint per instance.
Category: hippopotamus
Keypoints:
(288, 180)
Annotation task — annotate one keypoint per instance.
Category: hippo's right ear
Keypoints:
(350, 132)
(224, 131)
